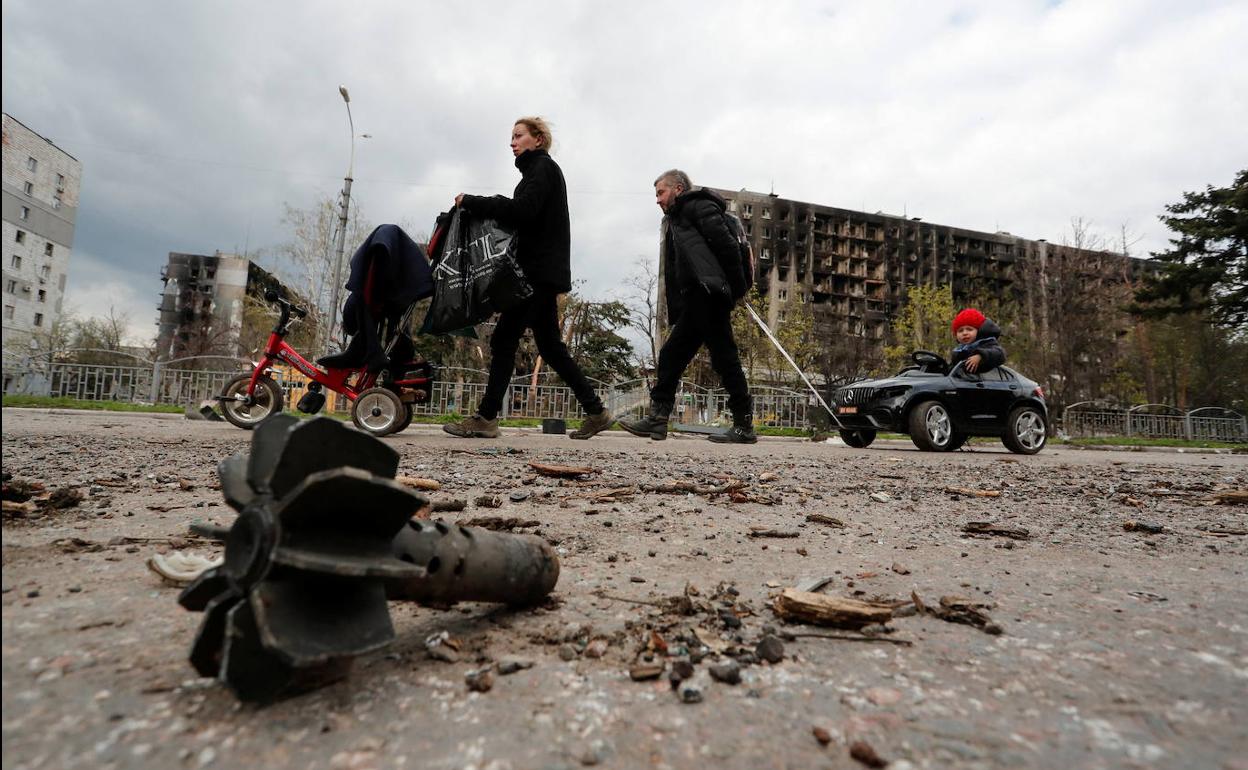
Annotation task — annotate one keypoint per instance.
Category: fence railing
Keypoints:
(188, 382)
(456, 391)
(1091, 419)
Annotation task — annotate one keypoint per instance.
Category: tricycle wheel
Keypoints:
(378, 411)
(246, 411)
(406, 421)
(858, 439)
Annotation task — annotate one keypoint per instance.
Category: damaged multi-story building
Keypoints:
(203, 302)
(856, 268)
(41, 183)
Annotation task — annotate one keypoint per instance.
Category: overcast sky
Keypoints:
(196, 121)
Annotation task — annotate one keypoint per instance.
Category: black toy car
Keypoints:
(942, 407)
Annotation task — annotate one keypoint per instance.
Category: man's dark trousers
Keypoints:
(704, 320)
(541, 314)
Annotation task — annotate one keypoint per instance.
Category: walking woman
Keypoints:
(538, 211)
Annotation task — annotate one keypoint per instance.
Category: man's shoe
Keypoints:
(592, 425)
(475, 426)
(735, 435)
(741, 432)
(650, 426)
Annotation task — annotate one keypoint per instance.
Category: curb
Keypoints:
(1177, 450)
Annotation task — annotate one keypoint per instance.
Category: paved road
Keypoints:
(1120, 649)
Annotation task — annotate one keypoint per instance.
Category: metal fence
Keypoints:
(183, 381)
(188, 382)
(1092, 418)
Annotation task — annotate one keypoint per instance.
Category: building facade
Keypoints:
(203, 303)
(856, 268)
(40, 203)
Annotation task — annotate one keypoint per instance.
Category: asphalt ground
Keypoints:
(1117, 648)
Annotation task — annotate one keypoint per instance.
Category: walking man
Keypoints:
(702, 280)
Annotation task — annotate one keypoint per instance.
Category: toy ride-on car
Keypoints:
(941, 407)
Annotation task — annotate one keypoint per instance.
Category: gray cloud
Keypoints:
(195, 122)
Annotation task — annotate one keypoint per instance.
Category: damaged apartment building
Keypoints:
(203, 302)
(855, 268)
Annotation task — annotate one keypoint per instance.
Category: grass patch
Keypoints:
(58, 402)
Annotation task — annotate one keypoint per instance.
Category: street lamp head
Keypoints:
(346, 97)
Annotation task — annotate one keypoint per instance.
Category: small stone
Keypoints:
(612, 558)
(75, 589)
(681, 670)
(697, 654)
(822, 735)
(567, 652)
(480, 680)
(520, 495)
(512, 665)
(770, 649)
(880, 497)
(32, 594)
(690, 693)
(642, 672)
(597, 648)
(900, 568)
(728, 672)
(636, 579)
(653, 553)
(730, 619)
(865, 753)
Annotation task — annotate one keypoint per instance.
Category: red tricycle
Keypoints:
(382, 400)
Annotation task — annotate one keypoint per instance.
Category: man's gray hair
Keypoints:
(675, 177)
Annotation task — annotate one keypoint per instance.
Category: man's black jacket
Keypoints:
(538, 211)
(700, 253)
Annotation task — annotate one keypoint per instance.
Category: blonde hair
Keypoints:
(539, 128)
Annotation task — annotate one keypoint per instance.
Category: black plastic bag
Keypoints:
(475, 274)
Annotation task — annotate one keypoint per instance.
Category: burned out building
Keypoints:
(856, 268)
(203, 302)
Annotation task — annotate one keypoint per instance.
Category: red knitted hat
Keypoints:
(968, 317)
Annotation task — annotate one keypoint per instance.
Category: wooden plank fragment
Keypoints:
(823, 610)
(1000, 530)
(566, 471)
(430, 485)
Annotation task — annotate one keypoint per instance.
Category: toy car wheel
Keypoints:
(858, 439)
(1025, 431)
(245, 411)
(931, 428)
(406, 421)
(378, 411)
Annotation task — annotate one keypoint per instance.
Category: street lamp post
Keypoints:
(342, 225)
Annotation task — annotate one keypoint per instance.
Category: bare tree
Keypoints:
(642, 300)
(310, 255)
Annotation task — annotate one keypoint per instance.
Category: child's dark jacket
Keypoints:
(986, 345)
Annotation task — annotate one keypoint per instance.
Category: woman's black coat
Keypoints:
(538, 211)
